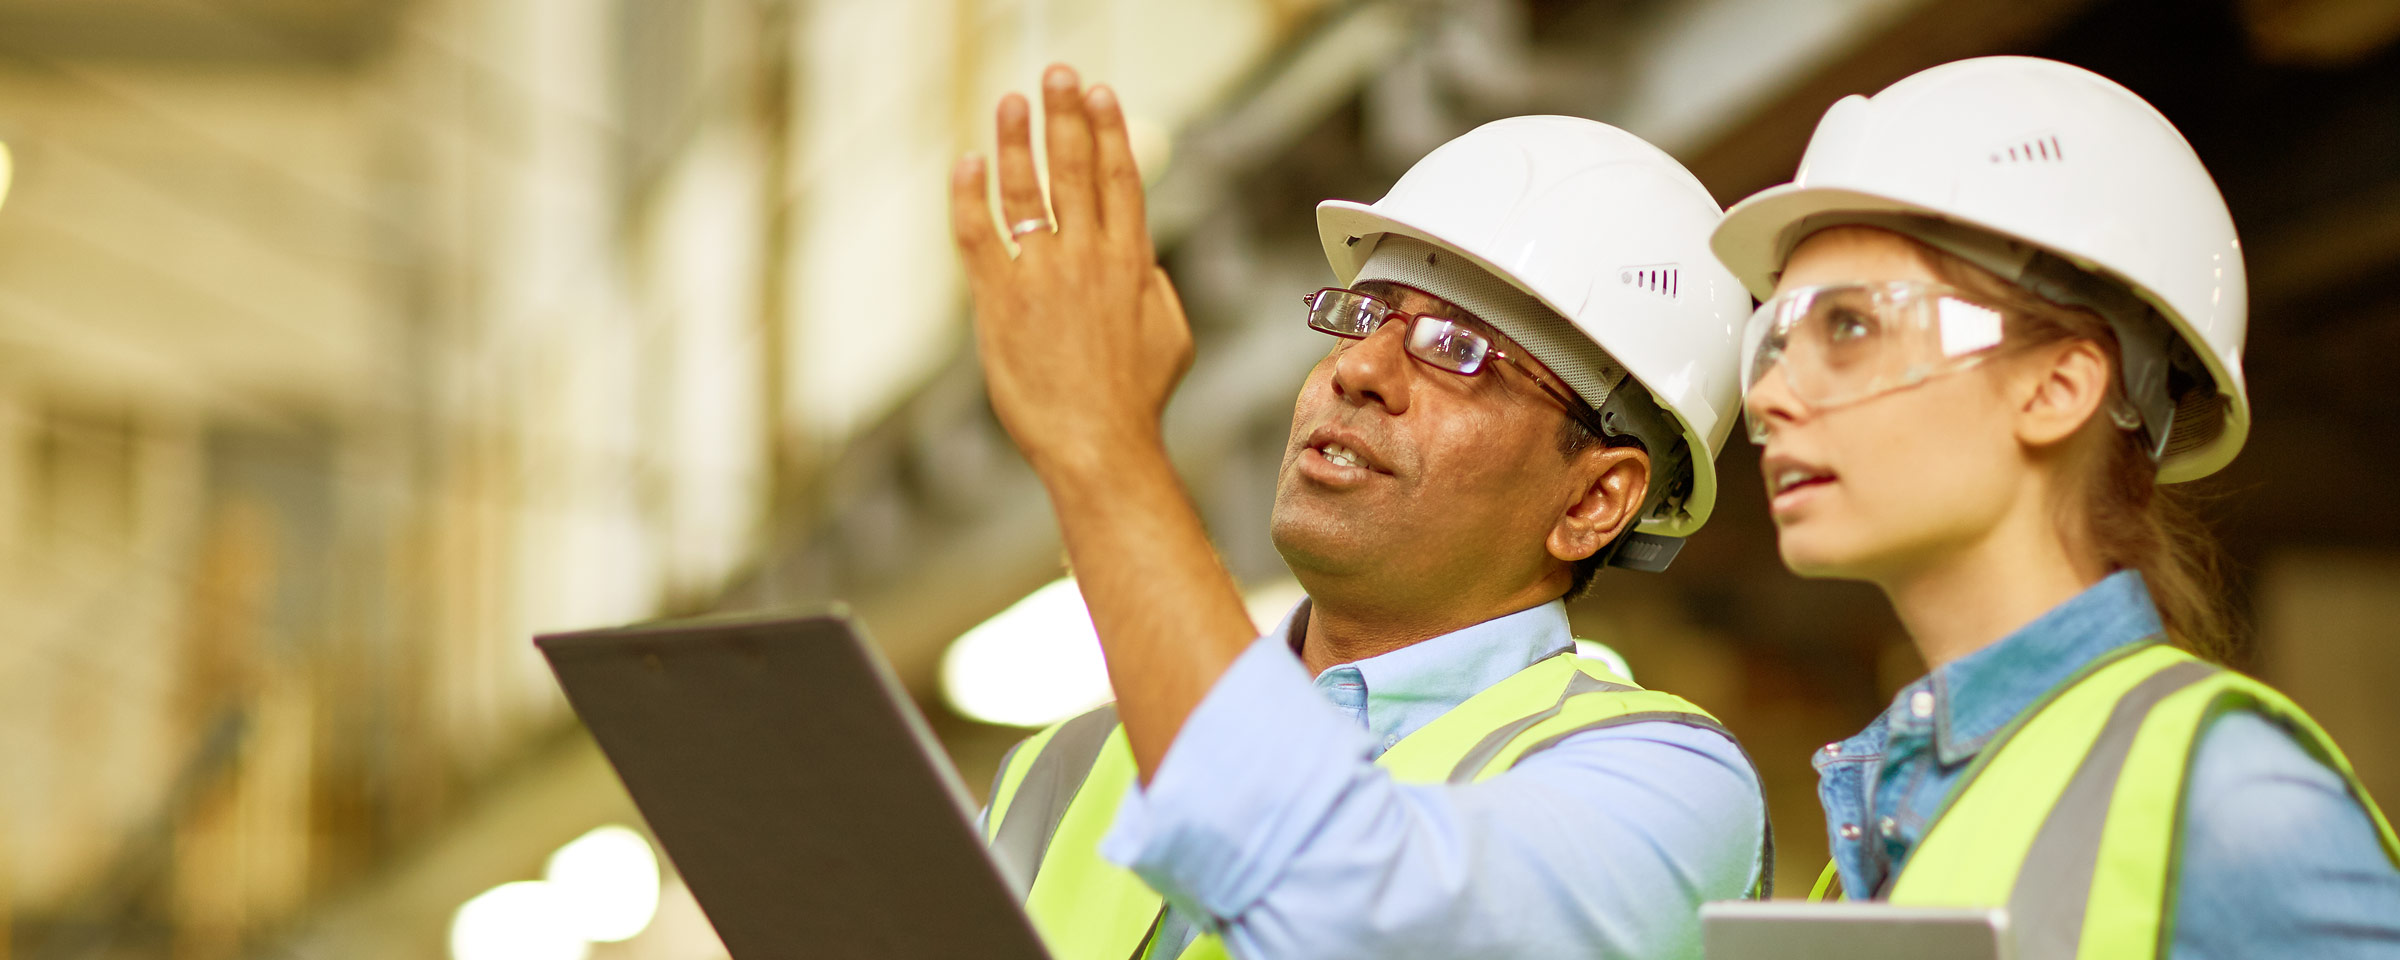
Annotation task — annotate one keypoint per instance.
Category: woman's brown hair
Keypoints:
(2125, 516)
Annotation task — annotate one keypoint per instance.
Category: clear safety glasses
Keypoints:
(1445, 344)
(1840, 344)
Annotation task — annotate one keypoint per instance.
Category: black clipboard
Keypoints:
(795, 787)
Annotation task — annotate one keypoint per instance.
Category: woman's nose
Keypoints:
(1769, 403)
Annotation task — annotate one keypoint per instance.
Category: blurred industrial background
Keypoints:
(345, 344)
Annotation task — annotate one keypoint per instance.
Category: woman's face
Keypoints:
(1874, 489)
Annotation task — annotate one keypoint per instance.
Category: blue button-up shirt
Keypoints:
(1269, 823)
(2277, 858)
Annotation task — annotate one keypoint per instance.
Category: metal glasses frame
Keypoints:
(1387, 312)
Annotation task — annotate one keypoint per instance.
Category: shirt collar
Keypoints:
(1408, 687)
(1974, 696)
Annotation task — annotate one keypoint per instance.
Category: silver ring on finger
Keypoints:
(1023, 227)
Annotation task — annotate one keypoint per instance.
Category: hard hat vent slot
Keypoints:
(1664, 279)
(2199, 419)
(2039, 148)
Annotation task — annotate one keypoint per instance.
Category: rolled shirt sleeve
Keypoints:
(1269, 824)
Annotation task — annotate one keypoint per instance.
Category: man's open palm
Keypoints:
(1081, 334)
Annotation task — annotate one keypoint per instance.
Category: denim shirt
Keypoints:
(1268, 823)
(2277, 858)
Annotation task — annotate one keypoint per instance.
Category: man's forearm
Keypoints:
(1170, 618)
(1083, 340)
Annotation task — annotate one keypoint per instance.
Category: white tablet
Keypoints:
(1798, 930)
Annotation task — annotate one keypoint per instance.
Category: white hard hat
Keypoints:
(1610, 233)
(2066, 173)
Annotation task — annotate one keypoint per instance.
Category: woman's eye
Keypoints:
(1847, 326)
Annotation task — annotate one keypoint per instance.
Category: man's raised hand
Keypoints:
(1081, 335)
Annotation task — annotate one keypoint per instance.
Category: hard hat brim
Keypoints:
(1349, 231)
(1753, 240)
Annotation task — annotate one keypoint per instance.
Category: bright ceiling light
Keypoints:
(1153, 146)
(608, 882)
(1039, 662)
(525, 920)
(1031, 665)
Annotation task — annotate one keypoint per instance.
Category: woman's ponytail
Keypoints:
(2135, 523)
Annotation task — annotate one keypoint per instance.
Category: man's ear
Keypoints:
(1617, 479)
(2061, 389)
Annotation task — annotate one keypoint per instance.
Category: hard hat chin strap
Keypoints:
(1646, 552)
(1635, 413)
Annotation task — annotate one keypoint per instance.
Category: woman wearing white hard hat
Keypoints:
(2004, 306)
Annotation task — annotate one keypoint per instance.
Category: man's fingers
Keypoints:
(971, 221)
(1020, 190)
(1068, 134)
(1120, 182)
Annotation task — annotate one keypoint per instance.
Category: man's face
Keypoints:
(1439, 488)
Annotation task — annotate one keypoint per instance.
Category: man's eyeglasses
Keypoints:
(1441, 343)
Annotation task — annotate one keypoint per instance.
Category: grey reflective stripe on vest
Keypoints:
(1483, 753)
(983, 820)
(1042, 797)
(2054, 885)
(1491, 745)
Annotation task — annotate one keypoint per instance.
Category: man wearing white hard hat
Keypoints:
(2004, 307)
(1530, 372)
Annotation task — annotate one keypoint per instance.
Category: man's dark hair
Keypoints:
(1574, 437)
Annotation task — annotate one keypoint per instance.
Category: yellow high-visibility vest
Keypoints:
(1058, 792)
(2069, 818)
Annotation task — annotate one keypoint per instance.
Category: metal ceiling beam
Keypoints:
(328, 33)
(1758, 141)
(1293, 92)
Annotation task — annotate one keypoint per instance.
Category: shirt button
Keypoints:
(1849, 831)
(1888, 827)
(1833, 749)
(1921, 703)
